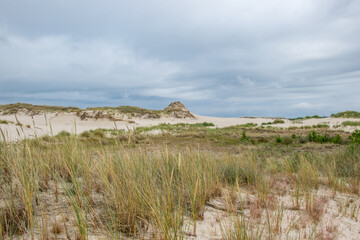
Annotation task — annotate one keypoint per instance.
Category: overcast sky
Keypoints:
(220, 58)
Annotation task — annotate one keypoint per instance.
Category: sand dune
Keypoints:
(53, 123)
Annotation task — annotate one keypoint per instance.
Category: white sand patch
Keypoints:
(53, 123)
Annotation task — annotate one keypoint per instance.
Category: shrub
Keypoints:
(278, 121)
(4, 122)
(278, 139)
(315, 116)
(287, 140)
(337, 139)
(355, 137)
(303, 140)
(244, 137)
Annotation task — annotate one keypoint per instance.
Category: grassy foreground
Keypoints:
(136, 185)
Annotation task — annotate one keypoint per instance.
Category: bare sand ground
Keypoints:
(336, 216)
(53, 123)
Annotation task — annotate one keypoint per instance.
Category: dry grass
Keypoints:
(133, 186)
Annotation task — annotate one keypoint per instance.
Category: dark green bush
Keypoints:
(355, 137)
(315, 137)
(337, 139)
(278, 121)
(278, 139)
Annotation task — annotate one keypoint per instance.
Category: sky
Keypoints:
(228, 58)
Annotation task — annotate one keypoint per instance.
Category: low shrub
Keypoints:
(315, 137)
(244, 137)
(355, 137)
(278, 121)
(85, 134)
(303, 139)
(337, 139)
(4, 122)
(287, 140)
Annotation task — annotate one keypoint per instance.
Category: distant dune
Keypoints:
(21, 120)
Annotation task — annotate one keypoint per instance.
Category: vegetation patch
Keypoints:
(34, 109)
(133, 184)
(5, 122)
(347, 114)
(276, 121)
(351, 123)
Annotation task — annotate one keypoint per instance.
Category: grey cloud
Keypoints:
(228, 58)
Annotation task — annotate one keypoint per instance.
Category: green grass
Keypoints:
(204, 124)
(4, 122)
(276, 121)
(351, 123)
(132, 111)
(347, 114)
(306, 117)
(322, 125)
(34, 109)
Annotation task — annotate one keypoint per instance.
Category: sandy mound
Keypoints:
(178, 110)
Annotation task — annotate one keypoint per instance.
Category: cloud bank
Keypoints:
(228, 58)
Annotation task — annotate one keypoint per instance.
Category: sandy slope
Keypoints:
(53, 123)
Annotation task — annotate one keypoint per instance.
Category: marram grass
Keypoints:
(125, 191)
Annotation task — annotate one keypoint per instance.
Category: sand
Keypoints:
(53, 123)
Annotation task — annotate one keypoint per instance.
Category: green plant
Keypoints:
(63, 134)
(347, 114)
(278, 121)
(204, 124)
(85, 134)
(4, 122)
(337, 139)
(278, 139)
(244, 137)
(355, 137)
(351, 123)
(287, 140)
